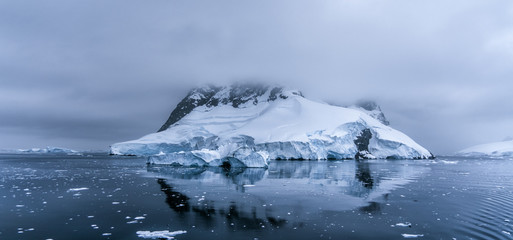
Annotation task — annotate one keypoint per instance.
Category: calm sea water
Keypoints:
(104, 197)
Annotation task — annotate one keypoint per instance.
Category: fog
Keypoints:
(86, 74)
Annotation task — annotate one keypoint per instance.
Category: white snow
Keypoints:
(496, 149)
(251, 135)
(165, 234)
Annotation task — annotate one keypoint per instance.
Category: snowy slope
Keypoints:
(496, 149)
(241, 126)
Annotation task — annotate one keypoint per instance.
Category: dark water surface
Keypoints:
(101, 197)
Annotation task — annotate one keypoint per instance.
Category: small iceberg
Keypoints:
(165, 234)
(406, 235)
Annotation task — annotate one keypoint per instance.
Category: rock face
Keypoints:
(372, 109)
(247, 125)
(502, 149)
(212, 96)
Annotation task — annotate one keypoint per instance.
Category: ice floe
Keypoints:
(165, 234)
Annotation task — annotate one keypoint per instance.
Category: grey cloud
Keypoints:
(112, 71)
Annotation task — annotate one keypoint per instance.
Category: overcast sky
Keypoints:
(86, 74)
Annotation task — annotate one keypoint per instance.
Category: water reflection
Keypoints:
(281, 195)
(363, 174)
(236, 218)
(239, 177)
(176, 200)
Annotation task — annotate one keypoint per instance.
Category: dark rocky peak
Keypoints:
(373, 109)
(196, 97)
(236, 95)
(368, 105)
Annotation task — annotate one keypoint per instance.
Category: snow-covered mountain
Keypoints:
(248, 125)
(496, 149)
(46, 150)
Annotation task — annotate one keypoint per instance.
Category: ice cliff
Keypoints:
(249, 125)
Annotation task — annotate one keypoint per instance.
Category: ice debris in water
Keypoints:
(449, 162)
(406, 235)
(165, 234)
(77, 189)
(405, 224)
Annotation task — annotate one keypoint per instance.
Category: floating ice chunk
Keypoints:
(179, 158)
(506, 232)
(165, 234)
(406, 235)
(139, 218)
(405, 224)
(77, 189)
(449, 162)
(132, 222)
(20, 206)
(115, 203)
(106, 234)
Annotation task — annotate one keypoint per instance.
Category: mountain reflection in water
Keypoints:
(284, 195)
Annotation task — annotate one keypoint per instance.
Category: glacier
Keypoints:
(249, 125)
(503, 149)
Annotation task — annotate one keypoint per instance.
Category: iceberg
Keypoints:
(249, 125)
